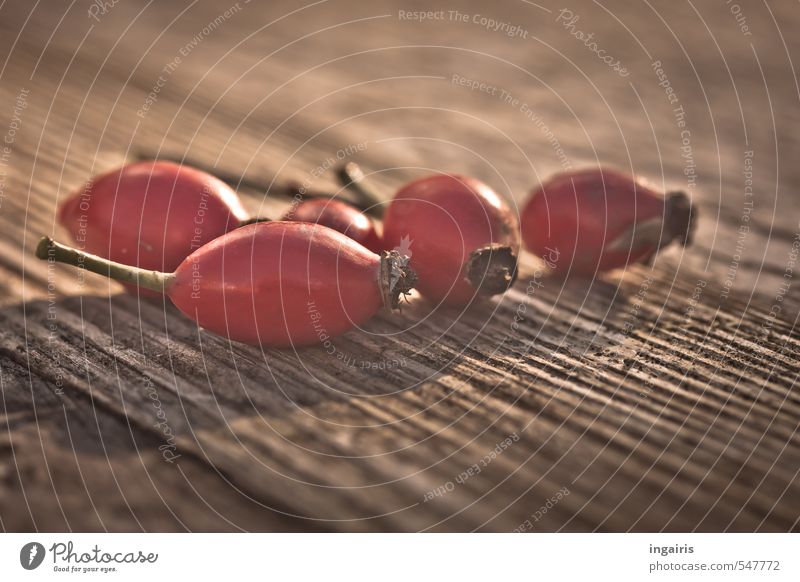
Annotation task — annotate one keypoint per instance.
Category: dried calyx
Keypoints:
(679, 218)
(491, 270)
(677, 224)
(396, 278)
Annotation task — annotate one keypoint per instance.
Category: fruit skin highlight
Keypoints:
(277, 284)
(339, 216)
(462, 238)
(151, 214)
(602, 219)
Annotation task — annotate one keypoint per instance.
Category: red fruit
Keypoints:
(601, 219)
(151, 214)
(339, 216)
(462, 238)
(277, 284)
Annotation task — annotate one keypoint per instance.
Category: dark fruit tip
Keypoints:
(397, 278)
(680, 217)
(491, 270)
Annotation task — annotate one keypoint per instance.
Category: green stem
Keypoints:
(370, 201)
(50, 250)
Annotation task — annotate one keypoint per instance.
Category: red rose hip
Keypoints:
(462, 238)
(602, 219)
(277, 284)
(339, 216)
(151, 214)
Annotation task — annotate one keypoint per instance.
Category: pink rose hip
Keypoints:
(462, 237)
(602, 219)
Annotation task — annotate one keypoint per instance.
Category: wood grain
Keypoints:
(660, 398)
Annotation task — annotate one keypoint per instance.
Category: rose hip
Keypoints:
(151, 214)
(277, 284)
(602, 219)
(464, 240)
(339, 216)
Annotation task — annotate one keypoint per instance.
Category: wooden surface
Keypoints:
(660, 398)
